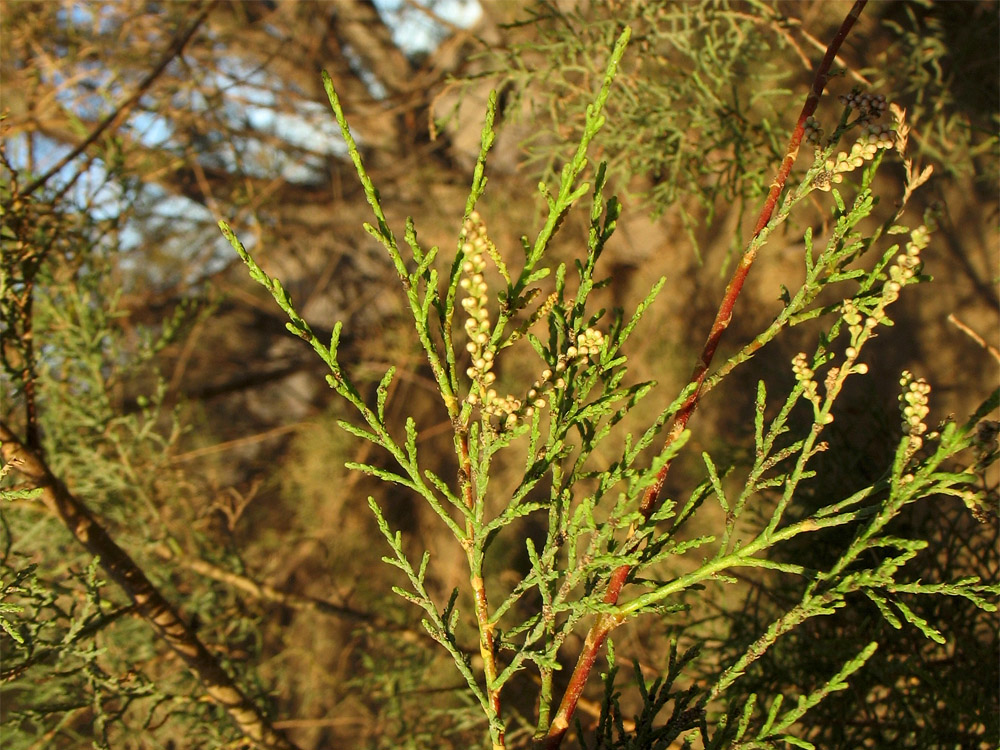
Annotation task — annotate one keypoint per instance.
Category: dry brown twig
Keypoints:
(149, 602)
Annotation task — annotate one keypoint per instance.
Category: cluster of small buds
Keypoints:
(805, 374)
(812, 132)
(907, 263)
(511, 410)
(869, 106)
(589, 343)
(856, 324)
(863, 150)
(879, 136)
(852, 317)
(506, 408)
(477, 325)
(913, 403)
(873, 137)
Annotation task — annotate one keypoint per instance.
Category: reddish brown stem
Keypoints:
(605, 623)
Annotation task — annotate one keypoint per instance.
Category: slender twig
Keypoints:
(974, 336)
(149, 602)
(28, 371)
(267, 593)
(487, 646)
(606, 622)
(125, 107)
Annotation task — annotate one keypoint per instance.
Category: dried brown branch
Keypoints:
(175, 48)
(149, 602)
(267, 593)
(964, 328)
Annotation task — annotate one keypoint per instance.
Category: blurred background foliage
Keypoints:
(163, 389)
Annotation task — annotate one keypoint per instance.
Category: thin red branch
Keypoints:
(605, 623)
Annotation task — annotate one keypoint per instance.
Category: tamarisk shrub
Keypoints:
(612, 540)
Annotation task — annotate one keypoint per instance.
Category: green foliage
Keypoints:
(596, 520)
(700, 101)
(78, 665)
(787, 589)
(952, 97)
(707, 87)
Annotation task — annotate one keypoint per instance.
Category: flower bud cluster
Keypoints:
(906, 265)
(873, 137)
(589, 343)
(913, 405)
(804, 374)
(508, 409)
(879, 136)
(864, 149)
(477, 325)
(869, 106)
(861, 328)
(853, 318)
(900, 272)
(511, 410)
(812, 132)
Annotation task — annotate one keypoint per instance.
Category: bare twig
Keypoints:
(606, 622)
(993, 351)
(149, 602)
(267, 593)
(125, 107)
